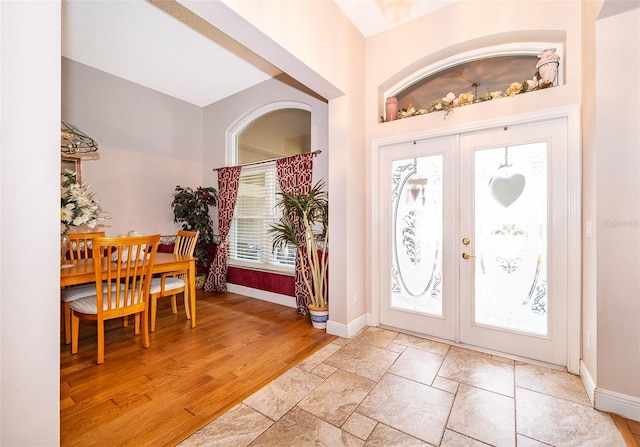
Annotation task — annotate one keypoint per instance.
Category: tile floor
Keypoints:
(383, 388)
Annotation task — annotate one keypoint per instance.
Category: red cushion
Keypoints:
(166, 248)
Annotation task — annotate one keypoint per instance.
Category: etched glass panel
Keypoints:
(511, 238)
(416, 265)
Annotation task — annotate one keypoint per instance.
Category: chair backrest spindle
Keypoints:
(81, 244)
(130, 265)
(186, 242)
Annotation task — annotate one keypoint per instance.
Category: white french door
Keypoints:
(475, 238)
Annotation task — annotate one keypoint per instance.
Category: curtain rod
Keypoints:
(314, 153)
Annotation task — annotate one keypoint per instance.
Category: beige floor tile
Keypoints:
(323, 370)
(236, 428)
(318, 357)
(450, 386)
(385, 436)
(523, 441)
(340, 341)
(562, 423)
(298, 428)
(479, 371)
(554, 383)
(395, 347)
(411, 407)
(359, 425)
(418, 365)
(375, 336)
(422, 343)
(453, 439)
(337, 397)
(499, 358)
(483, 415)
(279, 396)
(362, 359)
(470, 351)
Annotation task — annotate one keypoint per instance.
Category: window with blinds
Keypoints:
(256, 211)
(277, 130)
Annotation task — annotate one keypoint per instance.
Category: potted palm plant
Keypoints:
(312, 209)
(191, 207)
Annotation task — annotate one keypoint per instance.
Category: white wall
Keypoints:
(590, 12)
(617, 227)
(149, 143)
(29, 225)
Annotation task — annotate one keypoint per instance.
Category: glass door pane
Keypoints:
(511, 238)
(416, 264)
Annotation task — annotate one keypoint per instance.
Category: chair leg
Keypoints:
(136, 323)
(174, 307)
(187, 308)
(153, 301)
(75, 329)
(145, 327)
(67, 323)
(100, 341)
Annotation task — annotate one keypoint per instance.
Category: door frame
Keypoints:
(574, 212)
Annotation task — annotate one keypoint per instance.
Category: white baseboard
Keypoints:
(263, 295)
(346, 330)
(609, 401)
(617, 403)
(587, 381)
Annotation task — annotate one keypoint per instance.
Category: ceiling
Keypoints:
(144, 42)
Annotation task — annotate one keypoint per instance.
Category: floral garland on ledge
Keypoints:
(546, 68)
(450, 102)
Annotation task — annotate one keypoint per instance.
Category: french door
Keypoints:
(475, 242)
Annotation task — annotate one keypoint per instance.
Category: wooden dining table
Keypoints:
(82, 271)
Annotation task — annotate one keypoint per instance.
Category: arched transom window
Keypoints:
(476, 76)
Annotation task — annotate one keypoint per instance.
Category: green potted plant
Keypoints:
(191, 207)
(312, 209)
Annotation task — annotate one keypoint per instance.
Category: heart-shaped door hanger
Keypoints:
(507, 189)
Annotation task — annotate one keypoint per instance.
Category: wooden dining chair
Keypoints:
(81, 244)
(172, 283)
(121, 286)
(80, 247)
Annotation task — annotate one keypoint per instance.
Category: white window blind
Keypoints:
(250, 239)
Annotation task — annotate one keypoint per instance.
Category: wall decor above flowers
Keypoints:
(544, 76)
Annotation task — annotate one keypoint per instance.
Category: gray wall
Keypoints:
(149, 143)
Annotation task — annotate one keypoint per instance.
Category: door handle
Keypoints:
(466, 255)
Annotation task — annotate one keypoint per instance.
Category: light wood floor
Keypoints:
(186, 378)
(629, 429)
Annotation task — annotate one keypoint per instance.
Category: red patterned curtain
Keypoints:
(294, 176)
(228, 182)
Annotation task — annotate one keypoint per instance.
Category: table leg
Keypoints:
(192, 291)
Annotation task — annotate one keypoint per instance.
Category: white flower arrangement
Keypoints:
(78, 206)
